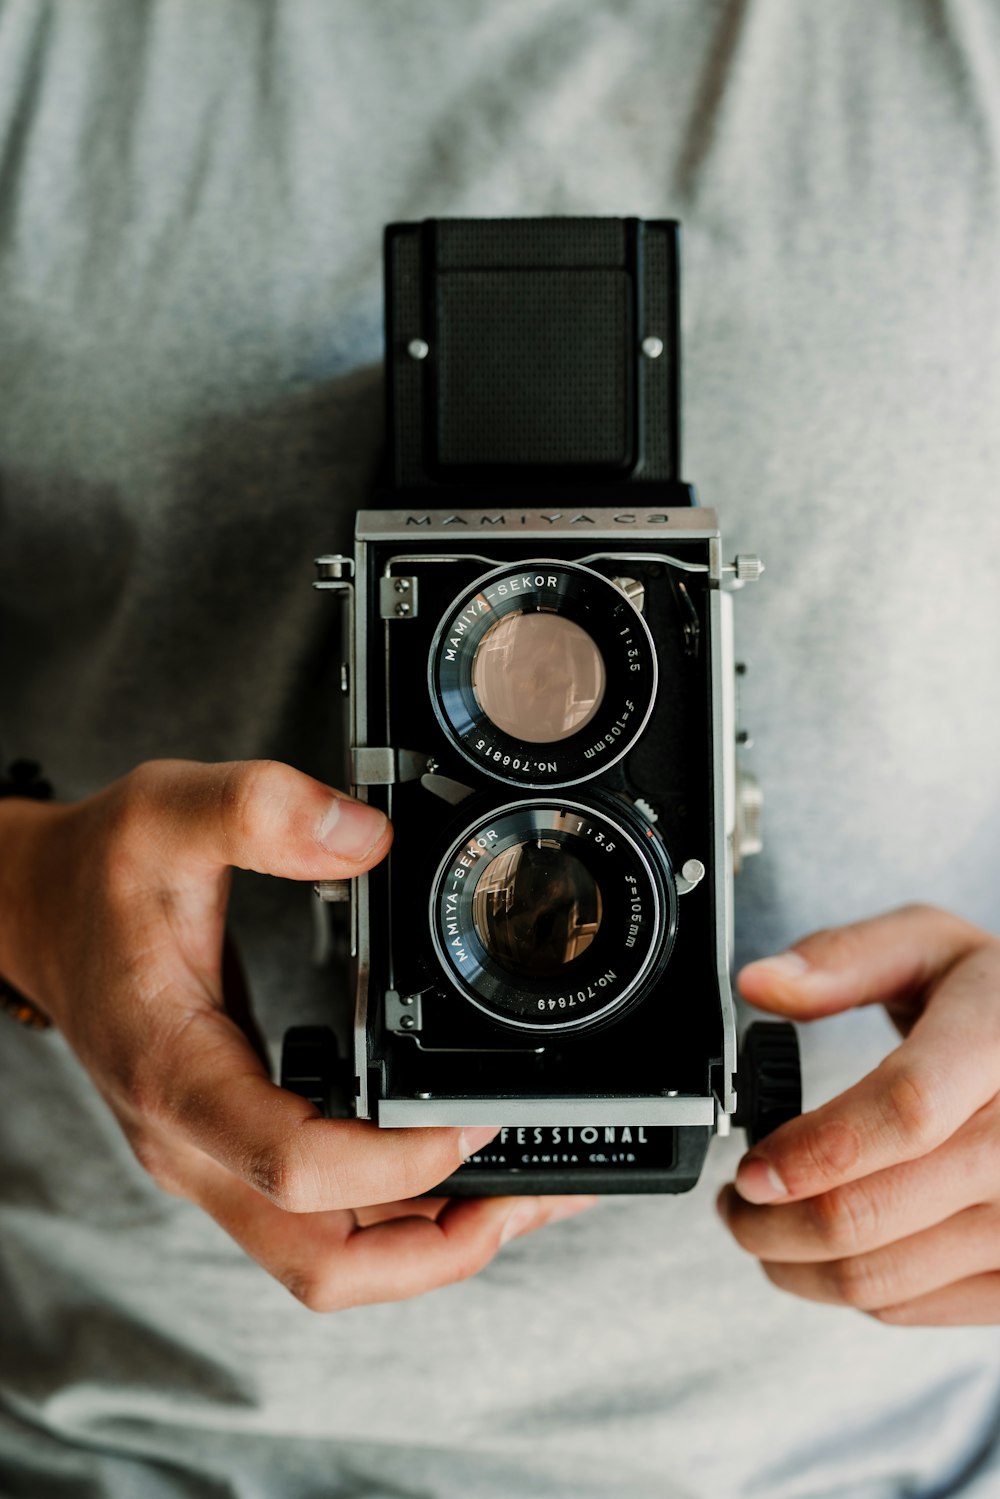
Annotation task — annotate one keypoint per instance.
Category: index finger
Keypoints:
(213, 1091)
(333, 1260)
(946, 1069)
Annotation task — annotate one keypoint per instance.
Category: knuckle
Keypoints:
(141, 792)
(859, 1282)
(158, 1162)
(912, 1112)
(835, 947)
(843, 1218)
(282, 1176)
(316, 1291)
(922, 911)
(828, 1148)
(421, 1168)
(743, 1224)
(470, 1261)
(923, 914)
(250, 793)
(123, 855)
(117, 854)
(137, 1085)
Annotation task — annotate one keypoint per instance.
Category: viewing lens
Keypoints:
(536, 908)
(538, 676)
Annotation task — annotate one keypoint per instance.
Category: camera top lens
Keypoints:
(538, 676)
(542, 674)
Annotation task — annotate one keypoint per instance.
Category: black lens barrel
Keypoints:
(628, 864)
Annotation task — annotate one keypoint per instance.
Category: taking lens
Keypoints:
(554, 915)
(536, 908)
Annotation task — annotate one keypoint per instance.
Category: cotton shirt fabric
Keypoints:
(191, 205)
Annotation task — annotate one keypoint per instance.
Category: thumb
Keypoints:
(261, 815)
(890, 959)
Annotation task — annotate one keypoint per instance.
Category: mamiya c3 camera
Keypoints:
(541, 695)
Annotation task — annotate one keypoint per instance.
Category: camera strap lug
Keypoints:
(333, 571)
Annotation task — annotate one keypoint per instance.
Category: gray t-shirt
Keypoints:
(191, 202)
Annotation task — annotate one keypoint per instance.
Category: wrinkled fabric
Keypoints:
(191, 205)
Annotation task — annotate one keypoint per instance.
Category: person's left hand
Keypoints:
(887, 1198)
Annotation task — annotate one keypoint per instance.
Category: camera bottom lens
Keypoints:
(536, 908)
(552, 915)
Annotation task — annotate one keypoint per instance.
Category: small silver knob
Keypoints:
(692, 873)
(748, 567)
(418, 348)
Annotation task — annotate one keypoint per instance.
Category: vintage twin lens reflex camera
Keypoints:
(540, 688)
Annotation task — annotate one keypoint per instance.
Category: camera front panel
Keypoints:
(526, 939)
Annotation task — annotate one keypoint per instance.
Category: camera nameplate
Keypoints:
(599, 522)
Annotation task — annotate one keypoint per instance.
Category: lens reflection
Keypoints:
(536, 908)
(539, 677)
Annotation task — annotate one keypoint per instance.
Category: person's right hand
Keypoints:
(112, 915)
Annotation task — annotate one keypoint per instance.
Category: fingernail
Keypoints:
(471, 1140)
(757, 1181)
(351, 828)
(783, 965)
(518, 1221)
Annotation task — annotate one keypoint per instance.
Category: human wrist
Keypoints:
(25, 826)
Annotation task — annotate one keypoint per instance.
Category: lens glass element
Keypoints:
(538, 676)
(536, 908)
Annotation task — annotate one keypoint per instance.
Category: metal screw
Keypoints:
(402, 585)
(407, 1023)
(418, 349)
(744, 737)
(423, 1095)
(432, 767)
(741, 668)
(406, 999)
(404, 608)
(652, 346)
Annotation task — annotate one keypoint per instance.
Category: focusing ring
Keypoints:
(598, 608)
(625, 860)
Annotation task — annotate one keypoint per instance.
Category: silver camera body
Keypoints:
(540, 692)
